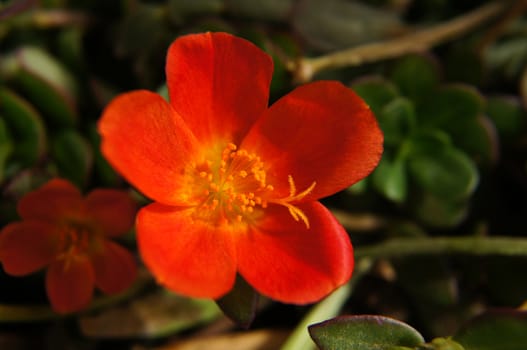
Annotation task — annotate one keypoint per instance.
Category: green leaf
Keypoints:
(376, 91)
(337, 24)
(73, 156)
(445, 344)
(47, 84)
(498, 329)
(397, 120)
(360, 187)
(508, 56)
(440, 212)
(427, 142)
(449, 105)
(508, 117)
(326, 308)
(364, 333)
(390, 179)
(153, 315)
(25, 127)
(416, 76)
(477, 138)
(448, 174)
(240, 303)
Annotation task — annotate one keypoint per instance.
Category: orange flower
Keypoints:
(71, 236)
(236, 183)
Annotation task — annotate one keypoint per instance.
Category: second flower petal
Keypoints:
(69, 284)
(26, 247)
(51, 202)
(115, 268)
(113, 210)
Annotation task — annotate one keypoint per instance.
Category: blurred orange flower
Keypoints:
(235, 182)
(71, 235)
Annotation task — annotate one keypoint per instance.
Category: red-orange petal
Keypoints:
(51, 202)
(26, 247)
(115, 268)
(319, 132)
(148, 143)
(286, 261)
(113, 210)
(188, 256)
(218, 83)
(69, 284)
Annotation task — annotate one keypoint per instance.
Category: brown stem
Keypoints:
(515, 11)
(305, 68)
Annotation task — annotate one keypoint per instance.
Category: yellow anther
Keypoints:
(236, 187)
(214, 204)
(292, 187)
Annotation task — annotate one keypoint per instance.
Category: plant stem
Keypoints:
(509, 246)
(305, 68)
(326, 309)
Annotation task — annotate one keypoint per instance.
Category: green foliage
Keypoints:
(46, 82)
(435, 136)
(240, 303)
(508, 116)
(364, 333)
(500, 329)
(25, 126)
(73, 156)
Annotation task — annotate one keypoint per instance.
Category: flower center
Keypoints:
(234, 189)
(76, 239)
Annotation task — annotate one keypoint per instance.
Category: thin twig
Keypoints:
(305, 68)
(512, 13)
(15, 8)
(479, 246)
(60, 18)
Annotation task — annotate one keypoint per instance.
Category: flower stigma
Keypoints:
(234, 189)
(76, 239)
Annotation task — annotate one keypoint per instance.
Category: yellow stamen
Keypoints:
(233, 189)
(295, 212)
